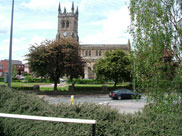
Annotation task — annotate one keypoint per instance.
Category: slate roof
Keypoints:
(105, 46)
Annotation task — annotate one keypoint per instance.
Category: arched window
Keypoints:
(86, 53)
(100, 53)
(67, 23)
(96, 52)
(63, 24)
(89, 53)
(82, 52)
(94, 67)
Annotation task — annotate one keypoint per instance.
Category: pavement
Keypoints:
(123, 106)
(52, 85)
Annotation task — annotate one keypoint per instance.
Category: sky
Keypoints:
(100, 22)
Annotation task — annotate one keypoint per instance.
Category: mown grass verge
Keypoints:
(78, 87)
(109, 122)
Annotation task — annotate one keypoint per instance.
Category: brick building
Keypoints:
(4, 67)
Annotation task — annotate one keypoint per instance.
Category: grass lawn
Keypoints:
(19, 84)
(52, 88)
(64, 88)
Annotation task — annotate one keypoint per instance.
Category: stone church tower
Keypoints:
(90, 53)
(67, 23)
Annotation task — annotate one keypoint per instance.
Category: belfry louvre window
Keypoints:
(67, 23)
(63, 24)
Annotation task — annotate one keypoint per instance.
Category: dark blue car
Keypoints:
(124, 94)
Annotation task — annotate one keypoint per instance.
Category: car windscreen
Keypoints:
(125, 91)
(116, 91)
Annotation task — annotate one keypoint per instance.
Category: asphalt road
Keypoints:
(123, 106)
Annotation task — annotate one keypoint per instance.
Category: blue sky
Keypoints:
(100, 21)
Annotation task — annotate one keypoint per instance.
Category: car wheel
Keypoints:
(119, 97)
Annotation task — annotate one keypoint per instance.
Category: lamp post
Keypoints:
(10, 46)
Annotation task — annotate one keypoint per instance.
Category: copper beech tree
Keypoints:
(55, 59)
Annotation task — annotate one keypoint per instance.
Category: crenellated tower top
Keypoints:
(67, 23)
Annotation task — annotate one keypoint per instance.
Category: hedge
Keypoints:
(86, 81)
(23, 88)
(88, 89)
(109, 122)
(1, 79)
(36, 80)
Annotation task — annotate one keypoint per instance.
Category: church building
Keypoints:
(90, 53)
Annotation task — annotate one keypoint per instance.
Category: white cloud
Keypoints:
(36, 39)
(4, 50)
(37, 25)
(20, 47)
(40, 4)
(114, 28)
(45, 5)
(5, 24)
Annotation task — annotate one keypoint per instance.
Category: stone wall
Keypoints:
(90, 53)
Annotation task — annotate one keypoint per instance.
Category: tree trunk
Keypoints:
(115, 83)
(55, 85)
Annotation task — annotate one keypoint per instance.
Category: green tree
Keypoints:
(14, 70)
(156, 29)
(114, 66)
(55, 59)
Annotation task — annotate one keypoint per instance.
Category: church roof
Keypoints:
(104, 46)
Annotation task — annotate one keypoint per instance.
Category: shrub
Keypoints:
(29, 79)
(1, 79)
(94, 88)
(151, 122)
(86, 81)
(23, 88)
(30, 105)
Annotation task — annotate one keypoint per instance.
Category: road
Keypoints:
(123, 106)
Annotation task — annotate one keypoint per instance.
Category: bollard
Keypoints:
(72, 99)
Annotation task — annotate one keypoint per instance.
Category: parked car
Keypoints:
(124, 94)
(20, 77)
(61, 80)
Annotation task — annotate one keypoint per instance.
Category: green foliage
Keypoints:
(1, 79)
(14, 79)
(114, 66)
(55, 59)
(151, 122)
(52, 89)
(23, 88)
(14, 71)
(99, 89)
(156, 31)
(86, 81)
(30, 79)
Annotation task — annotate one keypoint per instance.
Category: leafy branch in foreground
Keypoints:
(156, 29)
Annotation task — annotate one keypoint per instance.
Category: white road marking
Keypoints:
(107, 102)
